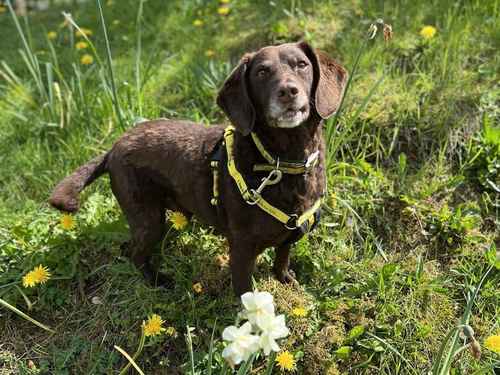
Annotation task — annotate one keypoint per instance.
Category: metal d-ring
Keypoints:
(293, 217)
(255, 198)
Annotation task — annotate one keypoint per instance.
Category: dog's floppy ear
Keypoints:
(234, 100)
(330, 79)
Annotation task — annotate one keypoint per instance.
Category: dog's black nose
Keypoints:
(287, 92)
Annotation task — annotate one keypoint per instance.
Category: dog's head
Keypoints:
(281, 86)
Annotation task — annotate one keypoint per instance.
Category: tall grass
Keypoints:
(369, 171)
(138, 56)
(33, 65)
(445, 356)
(111, 77)
(334, 136)
(60, 96)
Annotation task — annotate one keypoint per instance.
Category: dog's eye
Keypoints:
(263, 71)
(302, 65)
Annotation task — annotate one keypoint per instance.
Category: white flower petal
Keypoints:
(264, 344)
(264, 321)
(264, 298)
(258, 301)
(245, 329)
(232, 354)
(230, 333)
(280, 329)
(268, 344)
(248, 300)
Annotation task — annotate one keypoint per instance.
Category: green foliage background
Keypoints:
(413, 185)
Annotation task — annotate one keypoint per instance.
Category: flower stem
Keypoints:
(136, 354)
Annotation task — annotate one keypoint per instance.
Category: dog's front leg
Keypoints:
(282, 264)
(242, 262)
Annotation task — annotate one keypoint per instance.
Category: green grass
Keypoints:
(413, 187)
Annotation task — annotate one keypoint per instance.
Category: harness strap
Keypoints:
(292, 221)
(284, 166)
(215, 161)
(262, 149)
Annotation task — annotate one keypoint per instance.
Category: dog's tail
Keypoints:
(65, 195)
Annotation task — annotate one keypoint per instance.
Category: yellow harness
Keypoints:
(285, 166)
(253, 196)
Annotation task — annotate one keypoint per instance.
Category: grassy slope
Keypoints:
(396, 253)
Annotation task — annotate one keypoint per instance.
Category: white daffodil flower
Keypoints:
(273, 327)
(258, 306)
(243, 343)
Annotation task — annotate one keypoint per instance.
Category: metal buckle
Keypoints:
(272, 178)
(289, 223)
(255, 198)
(311, 160)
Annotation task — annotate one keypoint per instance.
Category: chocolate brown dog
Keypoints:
(281, 94)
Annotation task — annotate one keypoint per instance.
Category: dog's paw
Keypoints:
(286, 277)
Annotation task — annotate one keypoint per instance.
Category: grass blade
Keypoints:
(270, 363)
(129, 358)
(25, 316)
(464, 321)
(138, 57)
(110, 68)
(189, 342)
(247, 365)
(391, 348)
(211, 350)
(136, 354)
(29, 305)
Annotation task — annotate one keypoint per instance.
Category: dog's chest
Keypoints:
(294, 195)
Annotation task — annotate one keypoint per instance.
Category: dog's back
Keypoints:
(169, 153)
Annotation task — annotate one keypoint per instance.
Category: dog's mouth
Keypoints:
(292, 117)
(291, 113)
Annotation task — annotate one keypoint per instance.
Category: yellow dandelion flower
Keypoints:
(198, 288)
(171, 331)
(83, 31)
(299, 312)
(152, 327)
(285, 361)
(493, 343)
(223, 11)
(224, 1)
(209, 53)
(39, 275)
(81, 45)
(198, 22)
(29, 280)
(178, 220)
(428, 32)
(67, 222)
(2, 9)
(51, 35)
(86, 59)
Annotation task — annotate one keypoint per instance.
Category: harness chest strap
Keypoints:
(284, 166)
(290, 221)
